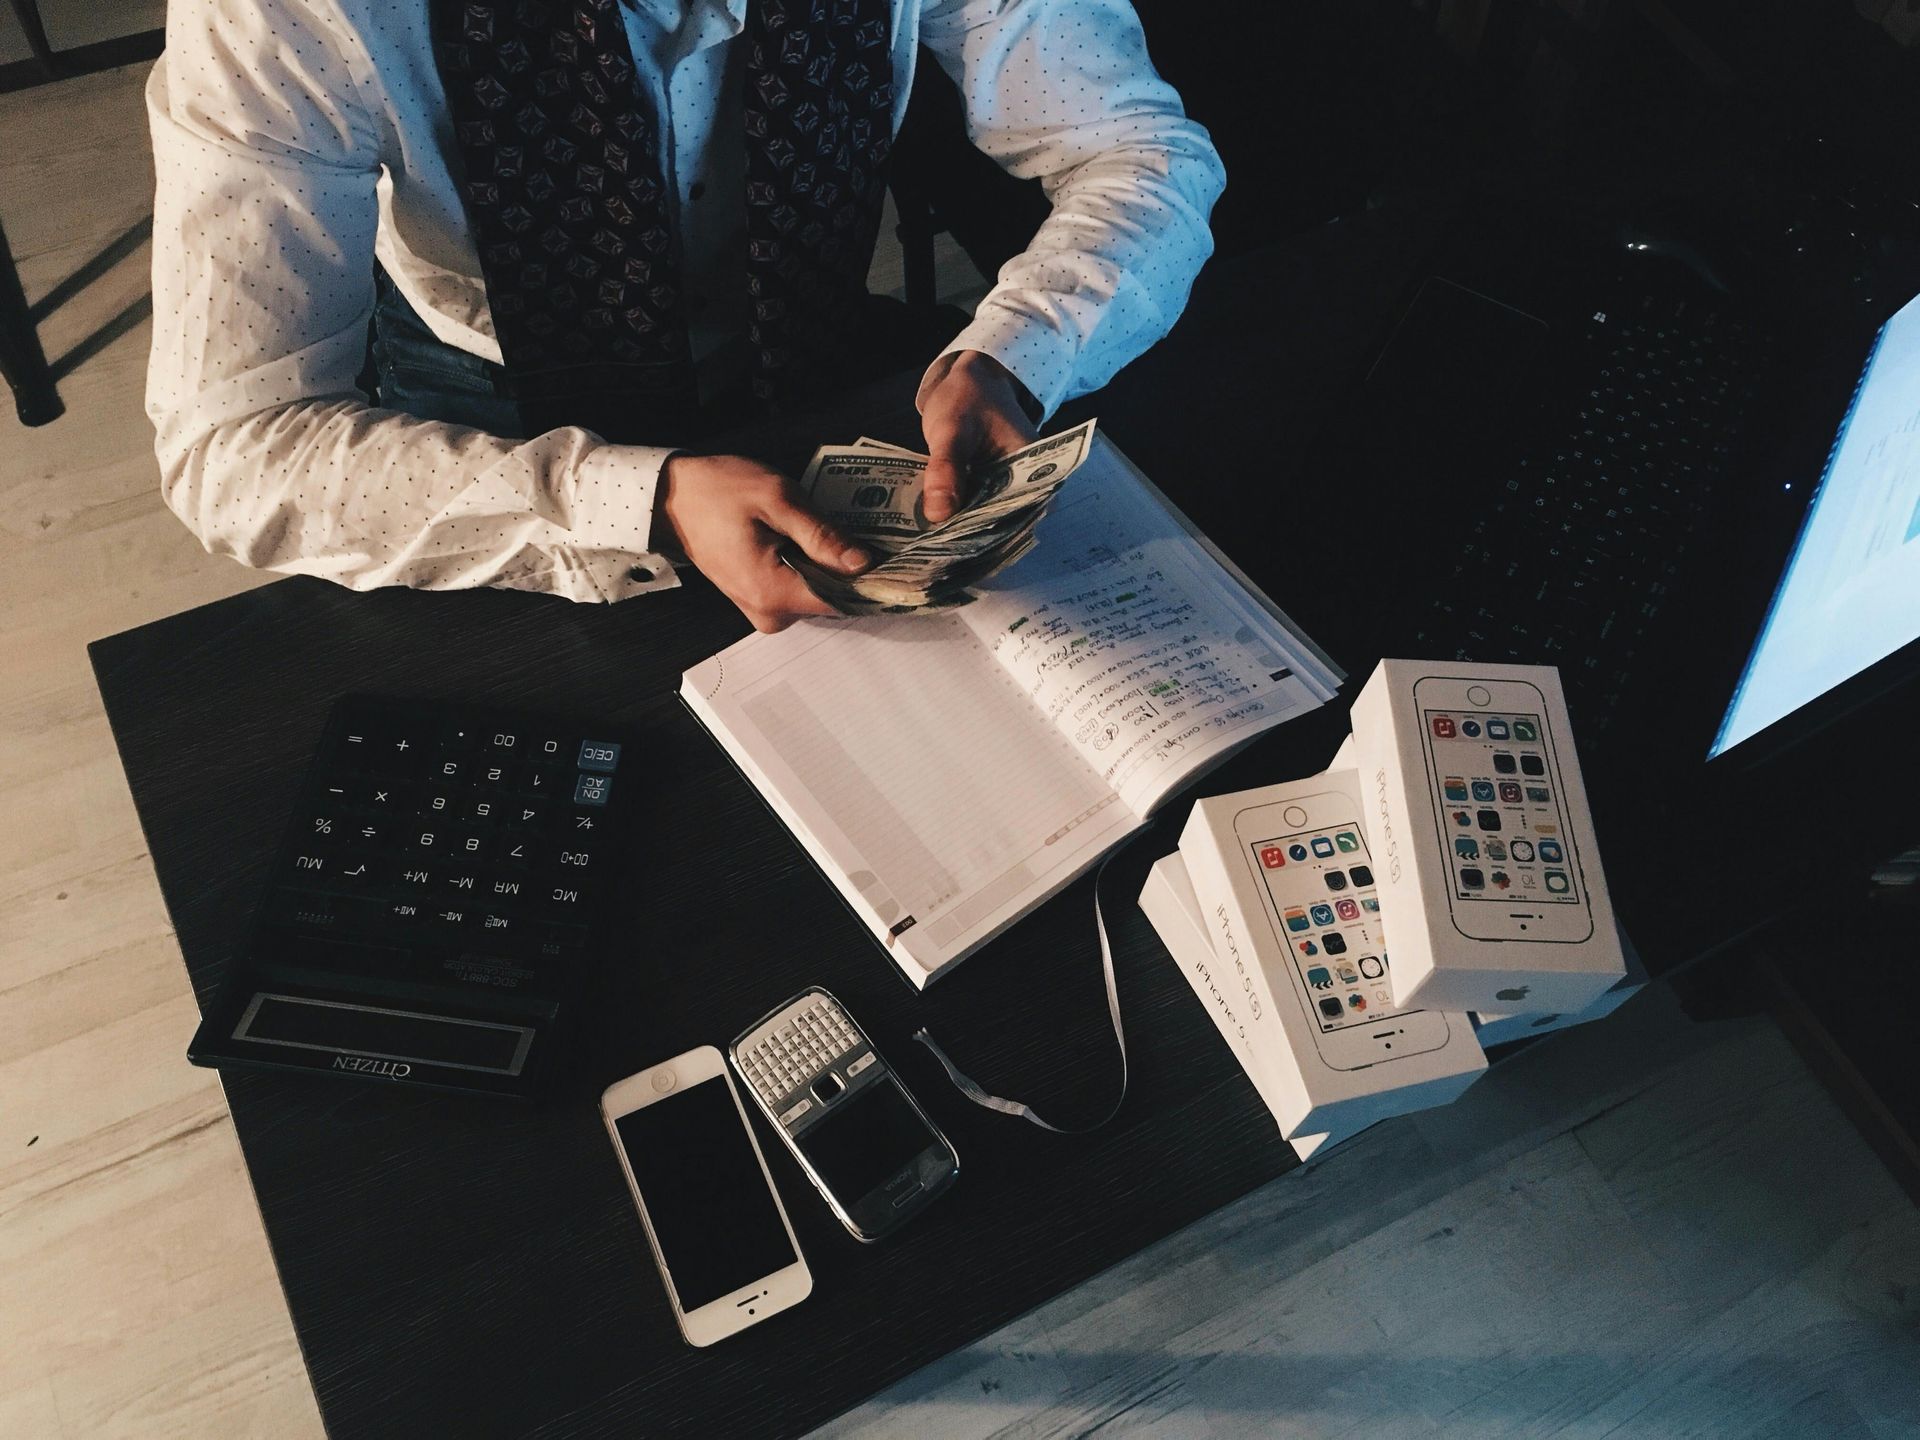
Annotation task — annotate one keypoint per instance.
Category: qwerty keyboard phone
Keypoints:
(435, 904)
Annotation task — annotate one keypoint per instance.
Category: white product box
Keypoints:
(1498, 1027)
(1320, 1075)
(1168, 900)
(1489, 872)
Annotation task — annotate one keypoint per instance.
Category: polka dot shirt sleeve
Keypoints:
(264, 225)
(1062, 91)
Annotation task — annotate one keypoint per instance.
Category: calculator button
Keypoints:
(592, 789)
(579, 824)
(472, 846)
(357, 747)
(450, 916)
(504, 743)
(466, 882)
(440, 803)
(398, 753)
(565, 899)
(515, 852)
(496, 775)
(861, 1064)
(381, 796)
(426, 841)
(483, 810)
(548, 749)
(448, 769)
(525, 814)
(573, 860)
(367, 833)
(413, 877)
(461, 736)
(355, 872)
(506, 887)
(599, 756)
(405, 912)
(540, 782)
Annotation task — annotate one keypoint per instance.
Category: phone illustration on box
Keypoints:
(1337, 966)
(713, 1219)
(1512, 868)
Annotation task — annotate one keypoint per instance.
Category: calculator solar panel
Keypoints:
(437, 900)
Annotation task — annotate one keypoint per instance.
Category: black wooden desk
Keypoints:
(464, 1267)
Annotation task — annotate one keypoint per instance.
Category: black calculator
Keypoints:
(440, 894)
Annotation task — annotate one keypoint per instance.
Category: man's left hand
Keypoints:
(970, 414)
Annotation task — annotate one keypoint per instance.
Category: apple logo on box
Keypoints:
(1518, 992)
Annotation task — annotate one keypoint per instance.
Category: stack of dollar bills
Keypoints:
(872, 492)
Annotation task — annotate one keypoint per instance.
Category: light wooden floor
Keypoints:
(1650, 1228)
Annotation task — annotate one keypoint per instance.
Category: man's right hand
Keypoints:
(731, 515)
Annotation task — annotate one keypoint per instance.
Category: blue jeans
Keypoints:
(417, 372)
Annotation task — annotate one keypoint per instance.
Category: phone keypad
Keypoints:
(796, 1052)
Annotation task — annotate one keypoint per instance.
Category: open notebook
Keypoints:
(950, 771)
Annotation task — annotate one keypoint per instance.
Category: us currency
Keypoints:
(874, 492)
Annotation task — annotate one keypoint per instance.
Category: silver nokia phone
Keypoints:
(862, 1139)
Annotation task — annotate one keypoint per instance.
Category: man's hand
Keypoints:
(969, 415)
(730, 515)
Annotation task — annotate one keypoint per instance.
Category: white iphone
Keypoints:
(713, 1219)
(1316, 874)
(1498, 797)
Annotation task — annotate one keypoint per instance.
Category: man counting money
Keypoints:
(583, 231)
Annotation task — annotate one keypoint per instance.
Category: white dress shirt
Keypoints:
(297, 140)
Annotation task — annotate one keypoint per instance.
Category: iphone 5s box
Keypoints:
(1488, 871)
(1295, 970)
(1169, 903)
(1498, 1027)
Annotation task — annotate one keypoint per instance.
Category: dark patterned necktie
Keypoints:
(569, 207)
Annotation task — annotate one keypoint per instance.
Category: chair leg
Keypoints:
(27, 12)
(23, 364)
(915, 233)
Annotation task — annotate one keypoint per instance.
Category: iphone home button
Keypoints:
(1294, 815)
(664, 1080)
(1479, 695)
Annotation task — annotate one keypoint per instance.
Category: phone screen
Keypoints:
(1320, 886)
(865, 1140)
(715, 1220)
(1499, 802)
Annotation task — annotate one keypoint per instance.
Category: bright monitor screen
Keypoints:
(1850, 594)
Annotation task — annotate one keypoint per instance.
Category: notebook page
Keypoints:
(914, 771)
(1132, 640)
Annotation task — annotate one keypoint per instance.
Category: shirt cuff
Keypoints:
(1034, 352)
(611, 530)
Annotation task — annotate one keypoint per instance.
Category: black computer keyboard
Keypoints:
(1575, 554)
(435, 902)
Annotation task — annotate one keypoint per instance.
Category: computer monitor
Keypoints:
(1844, 622)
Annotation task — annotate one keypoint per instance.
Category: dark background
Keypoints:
(457, 1267)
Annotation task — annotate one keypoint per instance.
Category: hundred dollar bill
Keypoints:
(871, 494)
(874, 493)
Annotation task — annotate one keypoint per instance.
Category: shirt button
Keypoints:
(697, 189)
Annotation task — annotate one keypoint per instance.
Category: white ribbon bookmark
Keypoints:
(975, 1093)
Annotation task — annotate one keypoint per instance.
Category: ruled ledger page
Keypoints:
(914, 771)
